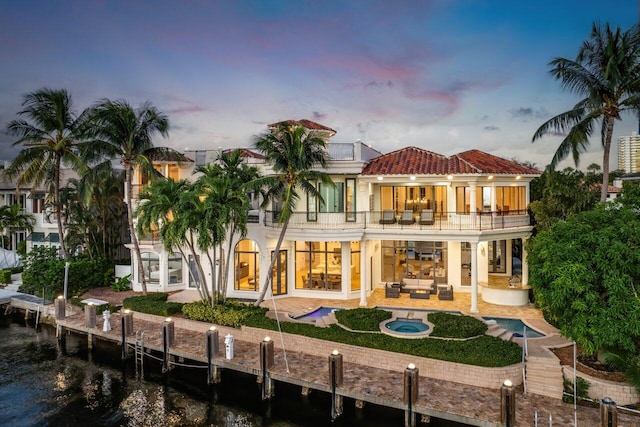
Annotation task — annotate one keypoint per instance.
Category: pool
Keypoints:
(407, 326)
(516, 326)
(316, 314)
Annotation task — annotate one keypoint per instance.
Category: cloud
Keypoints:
(185, 110)
(526, 113)
(491, 128)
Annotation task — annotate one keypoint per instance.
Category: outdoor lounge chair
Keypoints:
(445, 292)
(407, 218)
(391, 291)
(426, 217)
(388, 217)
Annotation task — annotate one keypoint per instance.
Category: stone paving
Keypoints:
(445, 399)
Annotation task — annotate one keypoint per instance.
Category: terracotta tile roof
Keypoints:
(246, 153)
(418, 161)
(166, 154)
(305, 123)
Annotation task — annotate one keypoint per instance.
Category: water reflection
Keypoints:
(44, 383)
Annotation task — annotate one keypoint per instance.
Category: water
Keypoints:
(516, 326)
(316, 314)
(408, 326)
(45, 384)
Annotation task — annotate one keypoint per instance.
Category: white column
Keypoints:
(472, 202)
(363, 274)
(474, 277)
(525, 265)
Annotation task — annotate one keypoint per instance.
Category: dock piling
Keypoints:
(266, 363)
(60, 307)
(335, 377)
(508, 404)
(608, 413)
(168, 340)
(90, 315)
(126, 329)
(213, 348)
(411, 387)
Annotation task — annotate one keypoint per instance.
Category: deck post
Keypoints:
(168, 340)
(608, 413)
(335, 379)
(411, 386)
(508, 404)
(266, 363)
(127, 321)
(213, 348)
(60, 307)
(90, 315)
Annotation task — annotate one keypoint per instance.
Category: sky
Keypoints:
(443, 75)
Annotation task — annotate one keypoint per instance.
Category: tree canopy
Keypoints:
(585, 272)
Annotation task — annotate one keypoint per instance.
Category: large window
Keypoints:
(415, 198)
(319, 266)
(422, 260)
(247, 266)
(497, 256)
(151, 266)
(175, 268)
(355, 266)
(507, 199)
(333, 197)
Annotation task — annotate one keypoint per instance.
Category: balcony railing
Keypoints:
(373, 220)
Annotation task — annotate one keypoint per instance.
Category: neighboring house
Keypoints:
(412, 213)
(34, 202)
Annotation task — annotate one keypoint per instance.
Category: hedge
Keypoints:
(362, 319)
(456, 326)
(5, 276)
(231, 313)
(153, 304)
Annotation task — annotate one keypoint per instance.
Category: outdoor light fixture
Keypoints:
(412, 177)
(449, 177)
(490, 177)
(508, 383)
(168, 319)
(127, 311)
(411, 366)
(518, 177)
(380, 178)
(61, 297)
(335, 352)
(267, 339)
(213, 328)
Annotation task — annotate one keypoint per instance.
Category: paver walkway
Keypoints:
(449, 399)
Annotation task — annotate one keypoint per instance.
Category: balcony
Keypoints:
(448, 221)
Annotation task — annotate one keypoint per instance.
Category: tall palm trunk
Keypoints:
(274, 257)
(605, 161)
(58, 207)
(132, 229)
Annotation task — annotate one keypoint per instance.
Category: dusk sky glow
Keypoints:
(443, 75)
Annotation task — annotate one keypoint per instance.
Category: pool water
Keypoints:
(316, 314)
(516, 326)
(407, 326)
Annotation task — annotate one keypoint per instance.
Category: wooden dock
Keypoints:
(446, 400)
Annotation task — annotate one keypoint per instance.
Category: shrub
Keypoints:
(153, 304)
(121, 284)
(231, 313)
(5, 276)
(44, 271)
(454, 326)
(362, 319)
(582, 389)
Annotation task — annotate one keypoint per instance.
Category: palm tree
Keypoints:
(125, 133)
(224, 186)
(51, 134)
(176, 210)
(606, 74)
(293, 153)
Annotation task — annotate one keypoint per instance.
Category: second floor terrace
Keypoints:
(427, 221)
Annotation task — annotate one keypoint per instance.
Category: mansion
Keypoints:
(459, 220)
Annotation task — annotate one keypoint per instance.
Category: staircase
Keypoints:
(14, 287)
(544, 376)
(496, 330)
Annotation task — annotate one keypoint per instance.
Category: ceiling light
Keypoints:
(379, 178)
(449, 176)
(412, 177)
